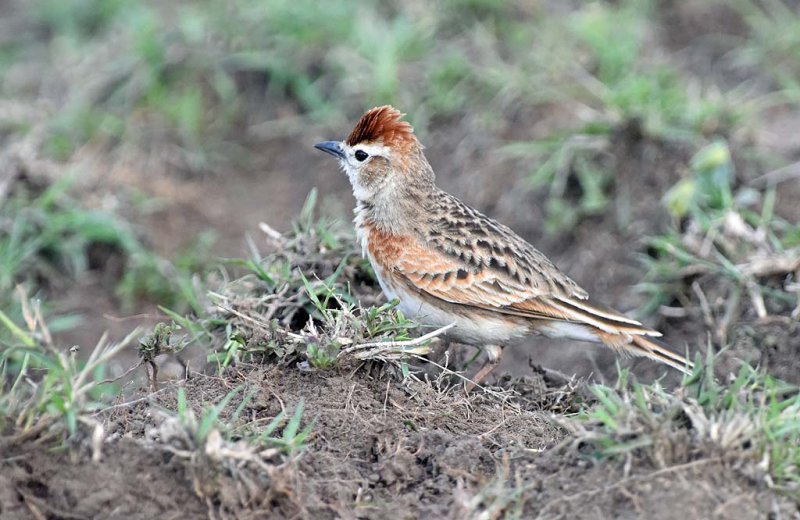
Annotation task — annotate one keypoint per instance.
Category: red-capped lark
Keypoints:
(449, 263)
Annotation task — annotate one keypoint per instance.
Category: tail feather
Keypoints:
(591, 322)
(598, 311)
(655, 349)
(601, 318)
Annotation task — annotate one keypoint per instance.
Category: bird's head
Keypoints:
(381, 155)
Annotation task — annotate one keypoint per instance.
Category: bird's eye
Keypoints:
(361, 155)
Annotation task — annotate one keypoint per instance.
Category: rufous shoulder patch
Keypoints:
(386, 248)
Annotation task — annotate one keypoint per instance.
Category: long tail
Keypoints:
(655, 349)
(590, 322)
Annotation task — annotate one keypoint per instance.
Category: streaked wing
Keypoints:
(494, 257)
(449, 279)
(468, 259)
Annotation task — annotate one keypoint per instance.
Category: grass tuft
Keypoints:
(722, 233)
(753, 418)
(47, 394)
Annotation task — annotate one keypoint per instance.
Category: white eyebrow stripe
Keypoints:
(373, 149)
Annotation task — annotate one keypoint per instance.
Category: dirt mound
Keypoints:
(707, 488)
(377, 447)
(376, 444)
(130, 482)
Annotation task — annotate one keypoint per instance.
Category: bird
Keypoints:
(448, 263)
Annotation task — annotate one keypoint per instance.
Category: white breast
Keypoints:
(362, 233)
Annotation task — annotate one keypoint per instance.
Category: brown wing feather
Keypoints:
(493, 254)
(469, 259)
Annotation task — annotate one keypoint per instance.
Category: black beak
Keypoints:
(332, 147)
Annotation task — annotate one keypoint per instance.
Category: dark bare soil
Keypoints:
(378, 449)
(130, 482)
(772, 342)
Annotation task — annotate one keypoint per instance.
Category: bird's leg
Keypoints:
(438, 350)
(493, 354)
(437, 358)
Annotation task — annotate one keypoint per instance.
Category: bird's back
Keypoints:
(484, 245)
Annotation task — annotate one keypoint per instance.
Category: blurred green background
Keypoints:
(140, 141)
